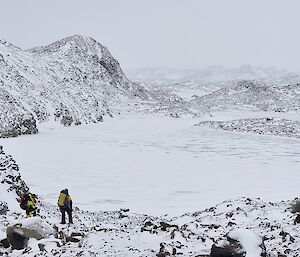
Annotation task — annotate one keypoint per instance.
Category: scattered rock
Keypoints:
(3, 208)
(164, 226)
(42, 247)
(19, 234)
(162, 251)
(296, 207)
(232, 250)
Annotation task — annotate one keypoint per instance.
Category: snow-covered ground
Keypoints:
(155, 165)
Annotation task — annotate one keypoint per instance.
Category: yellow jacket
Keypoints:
(64, 200)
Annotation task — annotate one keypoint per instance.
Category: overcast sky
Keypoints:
(174, 33)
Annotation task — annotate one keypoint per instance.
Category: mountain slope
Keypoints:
(73, 81)
(252, 95)
(190, 83)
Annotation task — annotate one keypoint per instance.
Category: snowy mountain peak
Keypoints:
(5, 43)
(74, 80)
(73, 44)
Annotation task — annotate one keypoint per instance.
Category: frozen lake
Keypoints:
(155, 165)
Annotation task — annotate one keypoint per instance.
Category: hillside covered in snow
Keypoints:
(252, 95)
(72, 81)
(200, 82)
(262, 126)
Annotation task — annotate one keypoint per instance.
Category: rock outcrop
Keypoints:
(251, 95)
(72, 81)
(9, 174)
(19, 234)
(262, 126)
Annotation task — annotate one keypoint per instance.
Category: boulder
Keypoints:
(296, 207)
(240, 243)
(18, 234)
(252, 243)
(230, 250)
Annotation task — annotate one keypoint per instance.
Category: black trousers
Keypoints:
(30, 211)
(63, 215)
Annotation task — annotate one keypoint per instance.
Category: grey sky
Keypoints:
(174, 33)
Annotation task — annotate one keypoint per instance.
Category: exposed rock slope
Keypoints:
(11, 183)
(251, 95)
(75, 80)
(262, 126)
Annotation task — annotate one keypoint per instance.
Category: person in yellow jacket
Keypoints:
(28, 203)
(65, 206)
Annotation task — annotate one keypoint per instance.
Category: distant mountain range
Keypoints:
(189, 83)
(77, 81)
(215, 73)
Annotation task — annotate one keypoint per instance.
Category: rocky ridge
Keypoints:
(262, 126)
(253, 96)
(72, 81)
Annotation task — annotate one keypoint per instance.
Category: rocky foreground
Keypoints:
(239, 227)
(262, 126)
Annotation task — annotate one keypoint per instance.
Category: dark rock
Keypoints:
(162, 251)
(297, 220)
(174, 251)
(19, 234)
(67, 120)
(296, 207)
(4, 243)
(16, 240)
(42, 247)
(164, 226)
(72, 239)
(232, 250)
(163, 254)
(148, 223)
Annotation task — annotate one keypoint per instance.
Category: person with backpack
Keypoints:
(28, 203)
(65, 206)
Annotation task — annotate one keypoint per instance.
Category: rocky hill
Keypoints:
(199, 82)
(262, 126)
(11, 183)
(252, 95)
(72, 81)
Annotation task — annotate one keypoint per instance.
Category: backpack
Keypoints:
(23, 201)
(67, 202)
(63, 200)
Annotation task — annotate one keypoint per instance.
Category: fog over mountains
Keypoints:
(215, 73)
